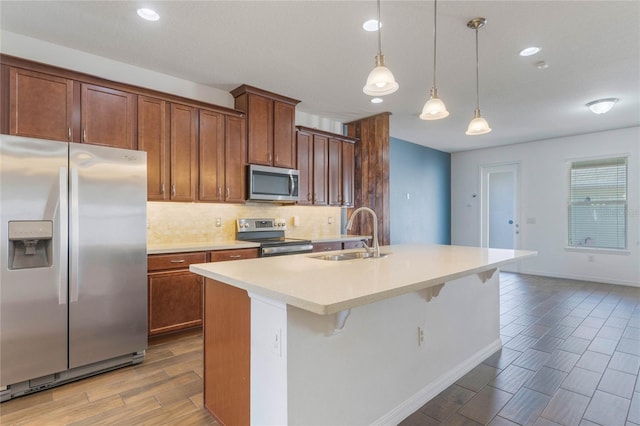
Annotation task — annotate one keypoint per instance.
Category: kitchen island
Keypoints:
(302, 340)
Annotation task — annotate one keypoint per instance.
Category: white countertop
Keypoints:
(188, 247)
(326, 287)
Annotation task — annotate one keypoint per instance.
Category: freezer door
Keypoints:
(33, 277)
(107, 253)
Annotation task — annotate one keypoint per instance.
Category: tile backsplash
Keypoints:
(173, 222)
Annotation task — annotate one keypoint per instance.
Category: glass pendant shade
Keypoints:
(434, 109)
(380, 81)
(478, 125)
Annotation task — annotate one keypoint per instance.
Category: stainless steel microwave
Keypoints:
(272, 184)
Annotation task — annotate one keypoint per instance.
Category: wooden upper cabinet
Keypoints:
(108, 117)
(270, 126)
(183, 152)
(235, 159)
(348, 172)
(284, 148)
(320, 169)
(40, 105)
(153, 138)
(211, 159)
(304, 142)
(260, 130)
(335, 172)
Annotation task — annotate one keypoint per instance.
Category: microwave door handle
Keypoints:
(292, 185)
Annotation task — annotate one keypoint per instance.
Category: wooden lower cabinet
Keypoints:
(227, 353)
(329, 246)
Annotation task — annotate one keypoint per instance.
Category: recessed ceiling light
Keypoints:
(376, 100)
(602, 106)
(148, 14)
(371, 25)
(542, 65)
(528, 51)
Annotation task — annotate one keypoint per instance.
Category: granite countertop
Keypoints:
(326, 287)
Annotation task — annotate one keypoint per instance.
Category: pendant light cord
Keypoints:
(435, 22)
(477, 74)
(379, 32)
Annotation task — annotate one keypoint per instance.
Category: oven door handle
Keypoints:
(303, 248)
(292, 185)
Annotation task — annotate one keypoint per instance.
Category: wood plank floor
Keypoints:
(571, 356)
(166, 389)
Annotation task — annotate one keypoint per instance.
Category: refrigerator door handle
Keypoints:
(63, 225)
(74, 282)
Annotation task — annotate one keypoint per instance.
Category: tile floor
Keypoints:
(570, 356)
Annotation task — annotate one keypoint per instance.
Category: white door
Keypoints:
(500, 206)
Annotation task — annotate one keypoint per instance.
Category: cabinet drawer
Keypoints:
(352, 244)
(158, 262)
(236, 254)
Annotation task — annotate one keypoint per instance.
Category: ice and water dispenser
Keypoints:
(30, 244)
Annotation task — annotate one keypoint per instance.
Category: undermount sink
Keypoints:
(347, 256)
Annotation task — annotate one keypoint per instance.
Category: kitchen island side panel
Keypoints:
(376, 370)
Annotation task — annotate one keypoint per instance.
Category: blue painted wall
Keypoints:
(424, 174)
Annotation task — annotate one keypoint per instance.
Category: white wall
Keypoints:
(543, 186)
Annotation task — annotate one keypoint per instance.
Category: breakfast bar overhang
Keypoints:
(304, 340)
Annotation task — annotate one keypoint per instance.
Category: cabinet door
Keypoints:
(348, 171)
(320, 168)
(108, 117)
(335, 172)
(235, 159)
(304, 142)
(40, 105)
(260, 130)
(183, 153)
(153, 138)
(175, 301)
(283, 134)
(211, 160)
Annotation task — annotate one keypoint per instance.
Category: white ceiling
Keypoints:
(316, 51)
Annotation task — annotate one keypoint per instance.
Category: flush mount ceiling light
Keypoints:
(380, 81)
(602, 106)
(478, 125)
(148, 14)
(529, 51)
(376, 100)
(434, 109)
(371, 25)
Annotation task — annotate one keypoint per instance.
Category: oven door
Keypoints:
(272, 184)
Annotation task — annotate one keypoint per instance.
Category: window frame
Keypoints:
(624, 202)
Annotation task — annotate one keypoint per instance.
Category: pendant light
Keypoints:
(380, 81)
(434, 109)
(478, 125)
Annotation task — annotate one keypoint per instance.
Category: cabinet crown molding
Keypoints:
(245, 88)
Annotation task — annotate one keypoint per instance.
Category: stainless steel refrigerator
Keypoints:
(73, 292)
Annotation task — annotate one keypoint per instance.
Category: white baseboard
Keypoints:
(590, 278)
(411, 405)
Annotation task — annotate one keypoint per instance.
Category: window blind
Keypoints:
(598, 203)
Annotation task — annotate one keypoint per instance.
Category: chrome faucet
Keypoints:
(375, 250)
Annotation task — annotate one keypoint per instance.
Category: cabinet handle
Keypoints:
(219, 193)
(162, 189)
(173, 190)
(309, 196)
(69, 133)
(270, 157)
(235, 256)
(84, 135)
(228, 192)
(178, 261)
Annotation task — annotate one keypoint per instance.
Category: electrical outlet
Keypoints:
(330, 220)
(591, 258)
(276, 343)
(420, 336)
(218, 222)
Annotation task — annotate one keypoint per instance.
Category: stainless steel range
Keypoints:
(270, 234)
